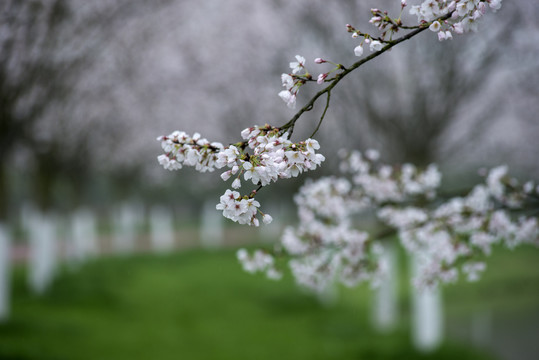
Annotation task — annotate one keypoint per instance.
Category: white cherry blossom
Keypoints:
(289, 98)
(299, 65)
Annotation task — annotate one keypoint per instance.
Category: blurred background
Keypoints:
(91, 225)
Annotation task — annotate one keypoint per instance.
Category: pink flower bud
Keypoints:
(319, 61)
(226, 175)
(321, 78)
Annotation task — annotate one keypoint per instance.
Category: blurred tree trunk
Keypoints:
(45, 47)
(4, 200)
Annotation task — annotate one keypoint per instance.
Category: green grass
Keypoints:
(200, 305)
(510, 284)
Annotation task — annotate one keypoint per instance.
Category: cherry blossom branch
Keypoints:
(266, 153)
(289, 126)
(449, 235)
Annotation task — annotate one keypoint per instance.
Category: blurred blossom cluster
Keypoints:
(446, 237)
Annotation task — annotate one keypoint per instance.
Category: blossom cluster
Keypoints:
(446, 238)
(379, 183)
(293, 81)
(181, 149)
(243, 210)
(324, 246)
(299, 76)
(463, 15)
(274, 156)
(459, 231)
(265, 155)
(258, 262)
(444, 17)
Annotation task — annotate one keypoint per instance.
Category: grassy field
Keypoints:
(200, 305)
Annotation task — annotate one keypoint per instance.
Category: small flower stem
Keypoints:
(323, 115)
(254, 192)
